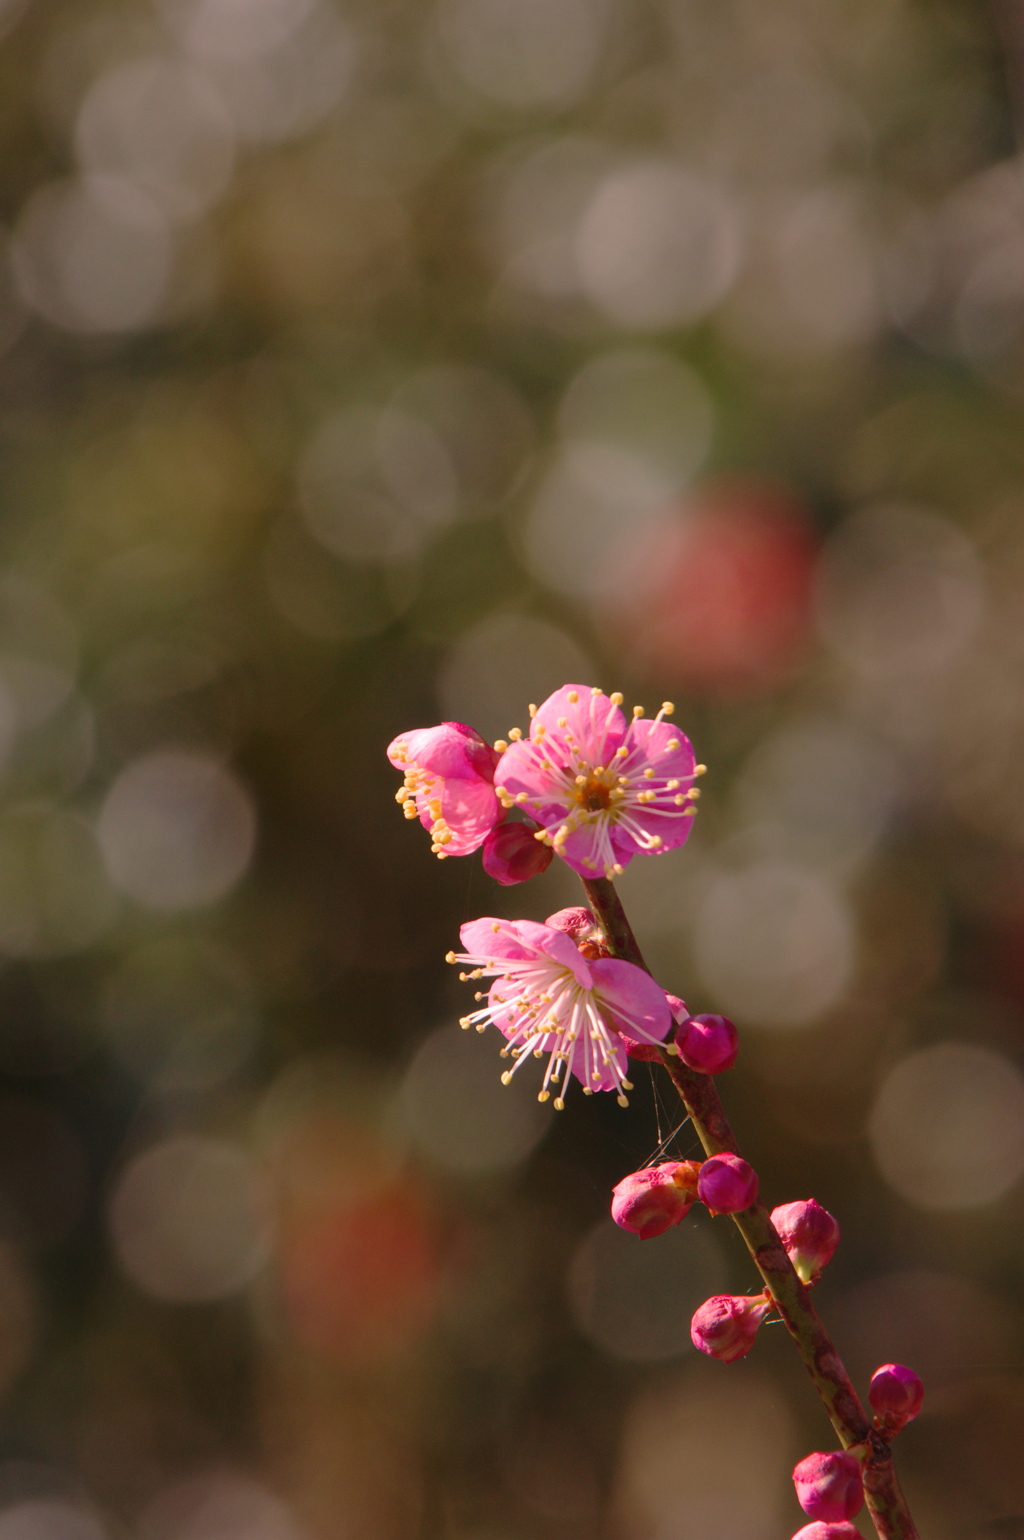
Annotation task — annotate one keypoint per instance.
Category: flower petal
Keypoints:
(470, 809)
(631, 999)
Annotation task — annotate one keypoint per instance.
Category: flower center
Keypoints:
(594, 791)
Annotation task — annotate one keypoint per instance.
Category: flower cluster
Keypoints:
(594, 788)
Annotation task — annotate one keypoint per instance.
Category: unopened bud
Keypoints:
(511, 854)
(895, 1394)
(828, 1486)
(809, 1234)
(819, 1531)
(577, 922)
(727, 1184)
(708, 1044)
(651, 1201)
(725, 1326)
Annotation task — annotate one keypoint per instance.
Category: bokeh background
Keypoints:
(365, 363)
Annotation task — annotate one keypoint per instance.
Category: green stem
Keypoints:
(885, 1501)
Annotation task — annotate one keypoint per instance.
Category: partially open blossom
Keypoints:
(727, 1184)
(449, 785)
(896, 1394)
(651, 1201)
(708, 1044)
(819, 1531)
(809, 1234)
(725, 1326)
(511, 854)
(603, 789)
(548, 998)
(829, 1486)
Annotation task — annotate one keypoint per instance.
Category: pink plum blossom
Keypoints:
(896, 1394)
(708, 1044)
(650, 1201)
(511, 854)
(449, 785)
(829, 1486)
(725, 1326)
(809, 1234)
(548, 998)
(727, 1184)
(602, 789)
(819, 1531)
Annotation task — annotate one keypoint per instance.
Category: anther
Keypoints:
(648, 774)
(638, 711)
(667, 707)
(515, 733)
(506, 1077)
(563, 721)
(559, 1104)
(500, 745)
(574, 696)
(450, 957)
(623, 1101)
(533, 710)
(673, 743)
(615, 697)
(700, 769)
(627, 1085)
(542, 1096)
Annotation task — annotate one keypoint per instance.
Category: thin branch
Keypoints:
(884, 1499)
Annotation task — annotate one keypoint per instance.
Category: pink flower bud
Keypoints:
(725, 1326)
(727, 1184)
(577, 922)
(809, 1234)
(708, 1044)
(511, 854)
(819, 1531)
(895, 1394)
(828, 1486)
(651, 1201)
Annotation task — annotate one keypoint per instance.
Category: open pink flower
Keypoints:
(449, 785)
(603, 790)
(548, 998)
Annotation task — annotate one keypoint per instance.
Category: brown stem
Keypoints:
(885, 1501)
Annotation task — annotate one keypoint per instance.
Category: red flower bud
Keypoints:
(895, 1394)
(828, 1486)
(819, 1531)
(651, 1201)
(727, 1184)
(809, 1234)
(725, 1326)
(708, 1044)
(511, 854)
